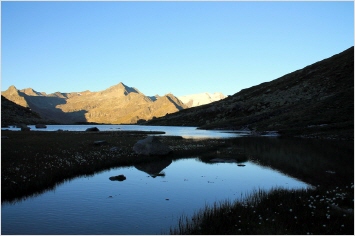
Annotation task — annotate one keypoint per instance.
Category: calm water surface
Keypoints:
(142, 204)
(185, 132)
(155, 195)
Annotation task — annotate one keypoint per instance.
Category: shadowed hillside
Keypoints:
(12, 114)
(316, 101)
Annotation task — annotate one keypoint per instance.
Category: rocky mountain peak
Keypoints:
(119, 90)
(12, 90)
(14, 95)
(30, 92)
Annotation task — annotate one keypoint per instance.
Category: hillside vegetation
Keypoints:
(316, 101)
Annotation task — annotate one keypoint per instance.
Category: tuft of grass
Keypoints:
(280, 211)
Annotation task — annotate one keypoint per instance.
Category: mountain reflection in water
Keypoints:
(317, 162)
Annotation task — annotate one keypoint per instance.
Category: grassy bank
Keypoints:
(277, 212)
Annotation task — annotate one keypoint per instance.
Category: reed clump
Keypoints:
(280, 211)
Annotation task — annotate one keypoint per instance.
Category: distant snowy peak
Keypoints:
(199, 99)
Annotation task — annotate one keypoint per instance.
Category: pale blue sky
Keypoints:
(161, 47)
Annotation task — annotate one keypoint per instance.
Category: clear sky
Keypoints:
(161, 47)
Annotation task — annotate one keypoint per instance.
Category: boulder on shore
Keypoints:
(41, 126)
(92, 129)
(151, 146)
(24, 127)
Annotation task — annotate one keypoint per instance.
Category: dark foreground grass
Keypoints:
(32, 162)
(277, 212)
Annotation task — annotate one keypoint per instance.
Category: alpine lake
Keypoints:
(156, 194)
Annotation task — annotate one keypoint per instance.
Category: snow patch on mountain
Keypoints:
(199, 99)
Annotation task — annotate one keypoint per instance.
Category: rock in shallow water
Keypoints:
(118, 178)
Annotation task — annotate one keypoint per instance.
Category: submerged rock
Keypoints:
(151, 146)
(118, 178)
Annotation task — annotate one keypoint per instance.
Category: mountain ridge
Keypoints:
(315, 101)
(118, 104)
(120, 89)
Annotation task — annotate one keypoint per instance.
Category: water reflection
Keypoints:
(138, 205)
(229, 154)
(318, 162)
(155, 168)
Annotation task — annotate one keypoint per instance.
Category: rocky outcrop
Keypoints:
(31, 92)
(151, 146)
